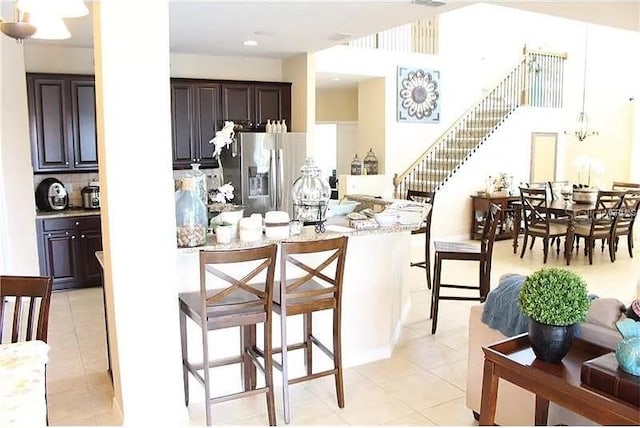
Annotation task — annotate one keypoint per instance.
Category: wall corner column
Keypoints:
(134, 149)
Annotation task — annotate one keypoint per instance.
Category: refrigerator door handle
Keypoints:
(280, 177)
(273, 177)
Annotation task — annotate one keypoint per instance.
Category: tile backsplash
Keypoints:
(72, 182)
(75, 182)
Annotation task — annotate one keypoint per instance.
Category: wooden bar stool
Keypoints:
(319, 289)
(428, 198)
(244, 303)
(463, 251)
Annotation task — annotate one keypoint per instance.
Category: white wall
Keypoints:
(58, 59)
(19, 255)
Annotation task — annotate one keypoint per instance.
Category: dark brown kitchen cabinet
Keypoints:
(62, 121)
(237, 102)
(195, 108)
(272, 101)
(66, 250)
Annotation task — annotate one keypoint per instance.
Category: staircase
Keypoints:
(537, 80)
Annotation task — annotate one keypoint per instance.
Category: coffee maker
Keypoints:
(51, 195)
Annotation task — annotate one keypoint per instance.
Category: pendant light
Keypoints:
(581, 130)
(42, 19)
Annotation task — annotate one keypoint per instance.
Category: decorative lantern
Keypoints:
(370, 163)
(310, 194)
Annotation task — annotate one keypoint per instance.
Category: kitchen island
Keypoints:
(376, 294)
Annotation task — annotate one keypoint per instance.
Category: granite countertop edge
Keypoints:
(308, 234)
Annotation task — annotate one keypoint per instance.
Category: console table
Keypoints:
(514, 360)
(480, 206)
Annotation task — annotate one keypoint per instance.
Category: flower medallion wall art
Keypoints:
(418, 95)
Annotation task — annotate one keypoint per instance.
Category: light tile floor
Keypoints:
(423, 383)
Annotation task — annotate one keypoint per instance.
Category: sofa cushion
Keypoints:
(605, 312)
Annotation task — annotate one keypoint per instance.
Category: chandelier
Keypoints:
(582, 130)
(42, 19)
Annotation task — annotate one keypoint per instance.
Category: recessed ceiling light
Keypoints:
(335, 79)
(265, 33)
(250, 43)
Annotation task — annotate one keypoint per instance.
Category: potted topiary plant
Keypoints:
(555, 300)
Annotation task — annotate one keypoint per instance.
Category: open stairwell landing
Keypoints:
(537, 81)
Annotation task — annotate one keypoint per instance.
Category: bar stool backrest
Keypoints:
(295, 290)
(251, 292)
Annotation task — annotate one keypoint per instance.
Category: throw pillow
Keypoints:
(605, 312)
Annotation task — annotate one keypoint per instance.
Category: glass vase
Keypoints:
(200, 182)
(191, 216)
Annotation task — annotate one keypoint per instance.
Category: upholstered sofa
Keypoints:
(515, 405)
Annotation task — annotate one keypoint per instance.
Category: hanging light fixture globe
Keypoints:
(582, 130)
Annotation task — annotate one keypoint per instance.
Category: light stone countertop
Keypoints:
(308, 234)
(71, 212)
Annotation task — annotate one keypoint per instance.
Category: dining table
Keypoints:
(22, 384)
(568, 209)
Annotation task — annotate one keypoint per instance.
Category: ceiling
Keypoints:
(285, 28)
(288, 27)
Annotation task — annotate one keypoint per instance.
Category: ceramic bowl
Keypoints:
(343, 208)
(385, 219)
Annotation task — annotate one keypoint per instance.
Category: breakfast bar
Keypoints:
(375, 287)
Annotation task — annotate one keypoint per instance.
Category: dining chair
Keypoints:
(236, 290)
(621, 185)
(556, 188)
(20, 297)
(627, 217)
(311, 274)
(429, 198)
(480, 252)
(536, 221)
(602, 222)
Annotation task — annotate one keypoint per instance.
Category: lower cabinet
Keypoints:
(67, 247)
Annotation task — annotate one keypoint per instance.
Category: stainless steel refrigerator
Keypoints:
(262, 168)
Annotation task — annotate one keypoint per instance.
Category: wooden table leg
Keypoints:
(568, 243)
(489, 395)
(516, 227)
(542, 411)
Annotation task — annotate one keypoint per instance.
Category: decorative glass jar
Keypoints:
(310, 194)
(370, 163)
(199, 182)
(191, 216)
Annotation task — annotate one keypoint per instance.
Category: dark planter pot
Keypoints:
(550, 343)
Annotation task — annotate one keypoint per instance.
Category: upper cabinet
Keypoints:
(195, 112)
(62, 122)
(237, 102)
(272, 101)
(62, 118)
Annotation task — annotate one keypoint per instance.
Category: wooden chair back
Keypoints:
(249, 293)
(427, 198)
(621, 185)
(494, 214)
(331, 282)
(605, 216)
(534, 207)
(15, 292)
(556, 187)
(629, 210)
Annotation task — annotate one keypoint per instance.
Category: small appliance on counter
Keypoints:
(91, 195)
(51, 195)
